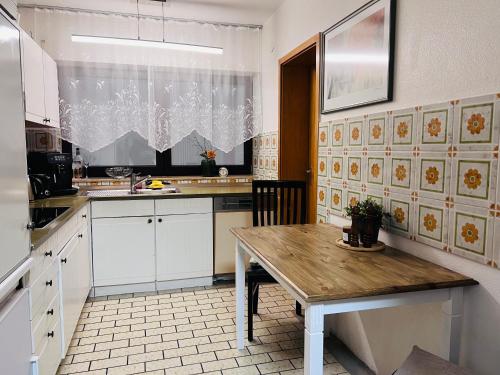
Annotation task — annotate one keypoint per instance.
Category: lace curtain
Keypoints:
(162, 95)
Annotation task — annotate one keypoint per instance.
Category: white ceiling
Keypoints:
(234, 11)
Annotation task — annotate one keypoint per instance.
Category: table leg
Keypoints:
(453, 310)
(240, 296)
(313, 340)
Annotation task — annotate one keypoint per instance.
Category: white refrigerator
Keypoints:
(15, 334)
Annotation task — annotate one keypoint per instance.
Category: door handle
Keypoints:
(48, 283)
(308, 171)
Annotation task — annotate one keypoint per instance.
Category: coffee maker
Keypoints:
(57, 167)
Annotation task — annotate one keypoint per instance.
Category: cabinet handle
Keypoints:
(48, 283)
(64, 260)
(150, 221)
(160, 220)
(50, 334)
(48, 253)
(50, 312)
(84, 216)
(80, 235)
(31, 226)
(48, 120)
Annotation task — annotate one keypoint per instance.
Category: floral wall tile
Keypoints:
(265, 156)
(337, 130)
(274, 141)
(476, 123)
(323, 135)
(474, 177)
(354, 169)
(433, 175)
(471, 232)
(402, 169)
(401, 209)
(337, 168)
(431, 223)
(402, 128)
(435, 126)
(495, 262)
(355, 128)
(337, 203)
(323, 166)
(375, 169)
(353, 197)
(375, 135)
(376, 195)
(322, 195)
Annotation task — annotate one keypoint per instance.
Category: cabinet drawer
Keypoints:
(43, 290)
(43, 257)
(49, 317)
(176, 206)
(83, 216)
(123, 208)
(50, 356)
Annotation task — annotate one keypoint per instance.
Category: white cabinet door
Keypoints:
(74, 261)
(123, 250)
(184, 246)
(51, 85)
(33, 79)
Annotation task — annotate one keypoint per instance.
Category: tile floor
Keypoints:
(188, 331)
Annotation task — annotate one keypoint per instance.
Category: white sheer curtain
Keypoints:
(162, 95)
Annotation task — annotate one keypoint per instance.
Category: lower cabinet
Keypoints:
(74, 262)
(184, 246)
(123, 250)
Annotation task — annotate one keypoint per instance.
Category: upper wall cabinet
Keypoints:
(40, 84)
(10, 7)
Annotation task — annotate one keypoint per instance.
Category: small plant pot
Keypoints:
(370, 230)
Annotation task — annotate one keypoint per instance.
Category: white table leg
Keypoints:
(313, 340)
(453, 310)
(240, 296)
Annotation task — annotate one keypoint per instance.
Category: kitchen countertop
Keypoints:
(75, 202)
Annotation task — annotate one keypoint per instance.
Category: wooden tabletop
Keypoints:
(307, 259)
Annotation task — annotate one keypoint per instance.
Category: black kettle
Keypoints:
(40, 185)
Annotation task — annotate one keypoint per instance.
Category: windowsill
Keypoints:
(176, 180)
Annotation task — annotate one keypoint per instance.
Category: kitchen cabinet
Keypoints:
(184, 246)
(75, 282)
(10, 6)
(41, 90)
(123, 250)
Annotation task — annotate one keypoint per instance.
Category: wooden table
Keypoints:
(326, 279)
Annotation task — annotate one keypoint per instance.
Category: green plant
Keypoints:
(368, 207)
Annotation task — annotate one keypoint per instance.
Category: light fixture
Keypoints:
(146, 43)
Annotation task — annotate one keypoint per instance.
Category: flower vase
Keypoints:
(208, 167)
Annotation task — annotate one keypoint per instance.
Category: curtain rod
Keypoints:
(110, 13)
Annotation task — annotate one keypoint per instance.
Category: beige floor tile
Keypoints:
(145, 357)
(255, 359)
(106, 363)
(126, 370)
(219, 365)
(247, 370)
(70, 369)
(127, 351)
(87, 357)
(267, 368)
(163, 364)
(198, 358)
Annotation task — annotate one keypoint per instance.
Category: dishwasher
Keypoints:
(230, 212)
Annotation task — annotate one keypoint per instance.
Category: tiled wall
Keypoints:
(176, 180)
(434, 168)
(43, 139)
(265, 156)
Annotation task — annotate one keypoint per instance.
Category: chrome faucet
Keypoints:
(134, 182)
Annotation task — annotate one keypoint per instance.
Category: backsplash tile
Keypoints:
(43, 139)
(433, 167)
(265, 156)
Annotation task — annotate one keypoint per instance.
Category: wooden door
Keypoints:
(299, 115)
(184, 246)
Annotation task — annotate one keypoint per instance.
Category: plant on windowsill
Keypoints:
(208, 165)
(367, 219)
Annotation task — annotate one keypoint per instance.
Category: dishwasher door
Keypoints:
(230, 212)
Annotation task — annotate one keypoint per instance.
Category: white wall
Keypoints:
(445, 49)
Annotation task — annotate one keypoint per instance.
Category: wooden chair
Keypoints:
(274, 203)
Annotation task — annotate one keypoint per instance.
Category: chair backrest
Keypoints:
(278, 202)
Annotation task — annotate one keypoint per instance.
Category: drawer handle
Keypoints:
(160, 220)
(48, 283)
(80, 235)
(64, 260)
(48, 253)
(84, 216)
(50, 312)
(150, 221)
(50, 334)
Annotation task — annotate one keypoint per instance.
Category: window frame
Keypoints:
(164, 165)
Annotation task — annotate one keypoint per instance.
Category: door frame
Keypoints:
(312, 42)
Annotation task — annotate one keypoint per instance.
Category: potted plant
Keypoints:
(366, 219)
(208, 165)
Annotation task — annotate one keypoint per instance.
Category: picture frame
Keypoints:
(357, 58)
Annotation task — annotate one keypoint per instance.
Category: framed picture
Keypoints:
(357, 59)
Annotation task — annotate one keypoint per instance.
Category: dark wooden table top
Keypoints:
(307, 259)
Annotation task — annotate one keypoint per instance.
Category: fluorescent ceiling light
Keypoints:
(146, 43)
